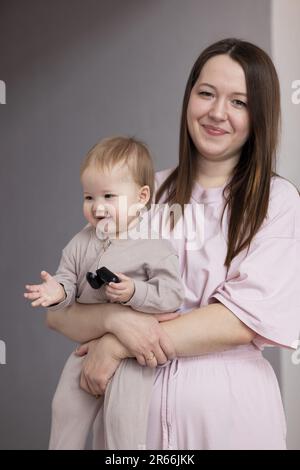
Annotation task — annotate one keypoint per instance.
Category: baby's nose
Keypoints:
(99, 209)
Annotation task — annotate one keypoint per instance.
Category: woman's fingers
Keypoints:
(167, 347)
(151, 360)
(85, 385)
(160, 356)
(93, 383)
(159, 350)
(167, 316)
(82, 350)
(92, 386)
(86, 381)
(141, 360)
(156, 357)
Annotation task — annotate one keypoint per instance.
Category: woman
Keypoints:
(241, 281)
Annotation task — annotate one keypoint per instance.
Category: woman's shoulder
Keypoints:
(284, 208)
(283, 195)
(282, 188)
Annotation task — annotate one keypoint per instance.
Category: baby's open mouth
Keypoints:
(102, 217)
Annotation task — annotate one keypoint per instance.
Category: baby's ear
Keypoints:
(144, 195)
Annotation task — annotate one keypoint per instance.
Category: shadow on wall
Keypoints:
(36, 42)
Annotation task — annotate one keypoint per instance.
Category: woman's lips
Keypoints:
(211, 130)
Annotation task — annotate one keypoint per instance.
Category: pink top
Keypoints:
(262, 286)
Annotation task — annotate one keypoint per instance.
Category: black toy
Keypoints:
(102, 276)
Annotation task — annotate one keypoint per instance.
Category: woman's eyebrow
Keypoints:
(239, 93)
(207, 84)
(212, 86)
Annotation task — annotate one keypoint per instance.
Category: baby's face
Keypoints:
(111, 198)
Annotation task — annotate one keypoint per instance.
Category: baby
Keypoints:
(118, 183)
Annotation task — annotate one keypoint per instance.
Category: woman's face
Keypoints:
(217, 113)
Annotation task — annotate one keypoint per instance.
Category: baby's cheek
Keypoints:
(86, 211)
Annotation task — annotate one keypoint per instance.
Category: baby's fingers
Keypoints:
(32, 295)
(118, 286)
(32, 288)
(41, 301)
(112, 292)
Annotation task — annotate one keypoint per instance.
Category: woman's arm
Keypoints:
(141, 331)
(204, 330)
(83, 322)
(207, 329)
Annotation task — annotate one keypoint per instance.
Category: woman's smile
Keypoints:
(214, 131)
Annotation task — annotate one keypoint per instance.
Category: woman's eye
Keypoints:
(88, 198)
(239, 103)
(108, 196)
(206, 94)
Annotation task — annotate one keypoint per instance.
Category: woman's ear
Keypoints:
(144, 195)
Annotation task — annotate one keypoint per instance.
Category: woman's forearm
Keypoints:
(207, 329)
(83, 322)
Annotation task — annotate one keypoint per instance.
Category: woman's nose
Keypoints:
(218, 110)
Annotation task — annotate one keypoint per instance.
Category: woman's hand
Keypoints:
(143, 336)
(103, 357)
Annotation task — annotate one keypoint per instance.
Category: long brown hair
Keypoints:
(247, 192)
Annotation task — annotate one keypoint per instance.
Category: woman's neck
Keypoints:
(214, 174)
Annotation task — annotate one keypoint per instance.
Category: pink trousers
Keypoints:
(227, 400)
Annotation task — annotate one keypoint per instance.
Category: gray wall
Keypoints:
(286, 36)
(75, 71)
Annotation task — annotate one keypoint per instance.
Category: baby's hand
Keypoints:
(120, 291)
(48, 293)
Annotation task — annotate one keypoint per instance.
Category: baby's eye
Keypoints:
(239, 103)
(109, 196)
(87, 198)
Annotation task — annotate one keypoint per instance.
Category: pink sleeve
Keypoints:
(262, 287)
